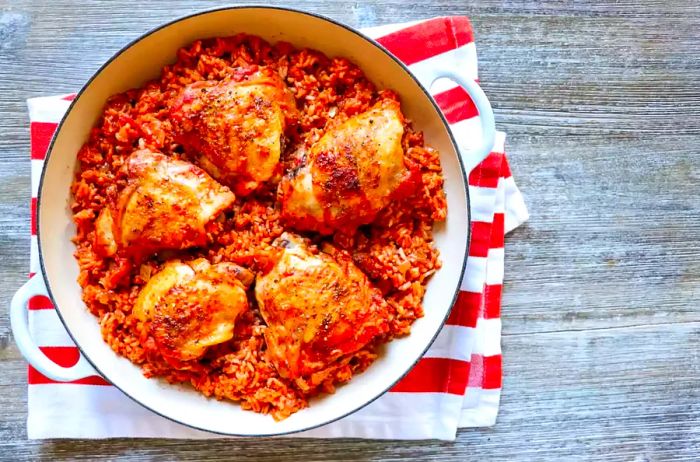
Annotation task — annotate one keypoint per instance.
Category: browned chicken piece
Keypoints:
(318, 308)
(166, 204)
(350, 174)
(235, 127)
(189, 307)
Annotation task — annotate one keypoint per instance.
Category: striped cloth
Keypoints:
(456, 384)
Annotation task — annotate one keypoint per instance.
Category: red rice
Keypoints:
(395, 251)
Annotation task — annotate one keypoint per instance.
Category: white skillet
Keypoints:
(142, 60)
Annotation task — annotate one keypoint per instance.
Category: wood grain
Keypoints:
(601, 103)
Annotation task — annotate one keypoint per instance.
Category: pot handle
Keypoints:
(19, 319)
(473, 157)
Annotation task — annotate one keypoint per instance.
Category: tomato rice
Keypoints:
(395, 251)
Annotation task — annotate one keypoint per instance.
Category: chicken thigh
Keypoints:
(235, 128)
(350, 174)
(166, 205)
(189, 307)
(318, 309)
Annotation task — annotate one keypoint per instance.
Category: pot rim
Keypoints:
(145, 35)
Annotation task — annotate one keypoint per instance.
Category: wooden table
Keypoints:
(601, 327)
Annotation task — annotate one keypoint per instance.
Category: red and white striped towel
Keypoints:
(456, 384)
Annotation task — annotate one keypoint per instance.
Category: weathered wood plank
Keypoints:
(617, 394)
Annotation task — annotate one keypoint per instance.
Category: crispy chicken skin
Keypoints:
(166, 205)
(318, 309)
(235, 127)
(350, 174)
(189, 307)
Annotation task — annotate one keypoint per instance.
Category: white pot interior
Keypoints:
(142, 61)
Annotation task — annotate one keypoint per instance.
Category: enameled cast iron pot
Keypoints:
(142, 60)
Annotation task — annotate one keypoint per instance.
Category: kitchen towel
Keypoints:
(456, 384)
